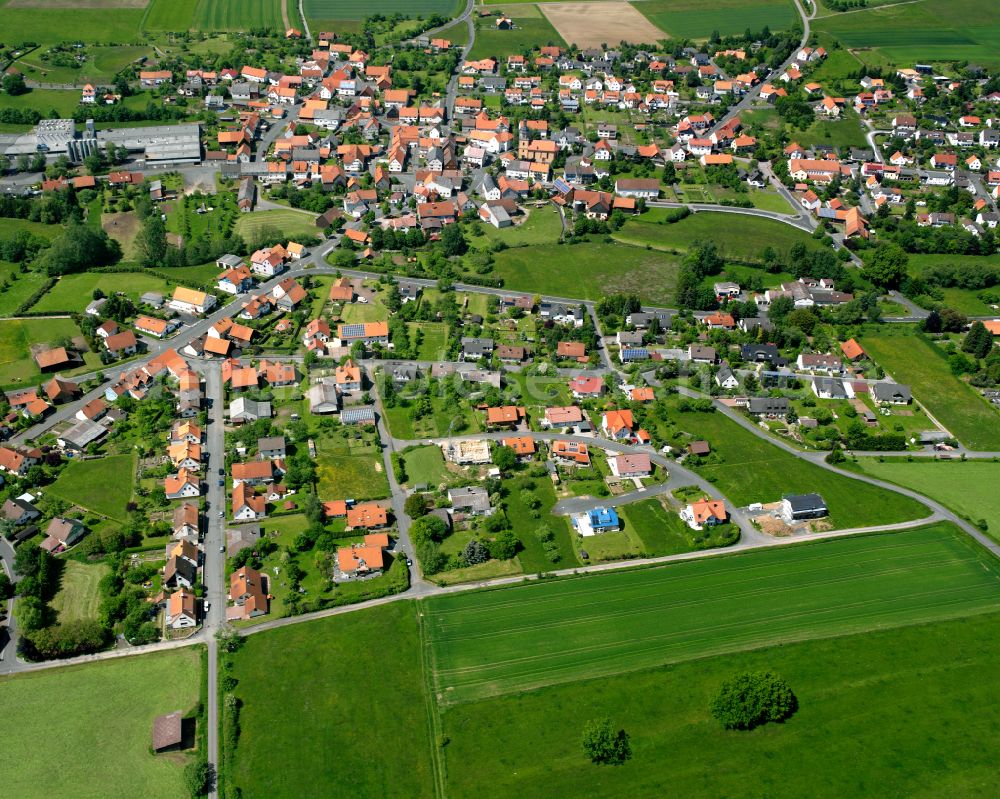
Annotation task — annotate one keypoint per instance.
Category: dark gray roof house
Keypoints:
(471, 499)
(761, 353)
(242, 537)
(894, 393)
(768, 406)
(795, 507)
(476, 347)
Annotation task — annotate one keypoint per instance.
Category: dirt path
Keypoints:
(284, 14)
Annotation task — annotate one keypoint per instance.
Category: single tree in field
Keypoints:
(603, 745)
(751, 699)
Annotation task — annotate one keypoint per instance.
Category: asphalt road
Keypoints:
(214, 540)
(747, 100)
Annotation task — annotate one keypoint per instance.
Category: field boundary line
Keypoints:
(869, 8)
(430, 700)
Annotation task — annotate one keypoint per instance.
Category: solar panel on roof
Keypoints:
(562, 186)
(353, 331)
(356, 414)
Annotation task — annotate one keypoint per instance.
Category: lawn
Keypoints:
(64, 101)
(927, 31)
(524, 523)
(20, 286)
(113, 473)
(497, 642)
(124, 228)
(542, 226)
(911, 359)
(349, 469)
(532, 31)
(101, 65)
(74, 292)
(661, 532)
(899, 712)
(748, 469)
(443, 420)
(79, 595)
(17, 336)
(98, 717)
(967, 487)
(456, 34)
(425, 465)
(691, 19)
(372, 311)
(290, 223)
(842, 133)
(434, 344)
(588, 271)
(739, 237)
(10, 225)
(348, 716)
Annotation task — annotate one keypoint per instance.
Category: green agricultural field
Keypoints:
(98, 713)
(911, 359)
(692, 19)
(40, 22)
(73, 292)
(170, 15)
(79, 594)
(349, 9)
(348, 717)
(505, 641)
(18, 336)
(588, 271)
(899, 712)
(232, 15)
(737, 236)
(749, 469)
(926, 31)
(115, 476)
(20, 287)
(531, 32)
(290, 224)
(967, 487)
